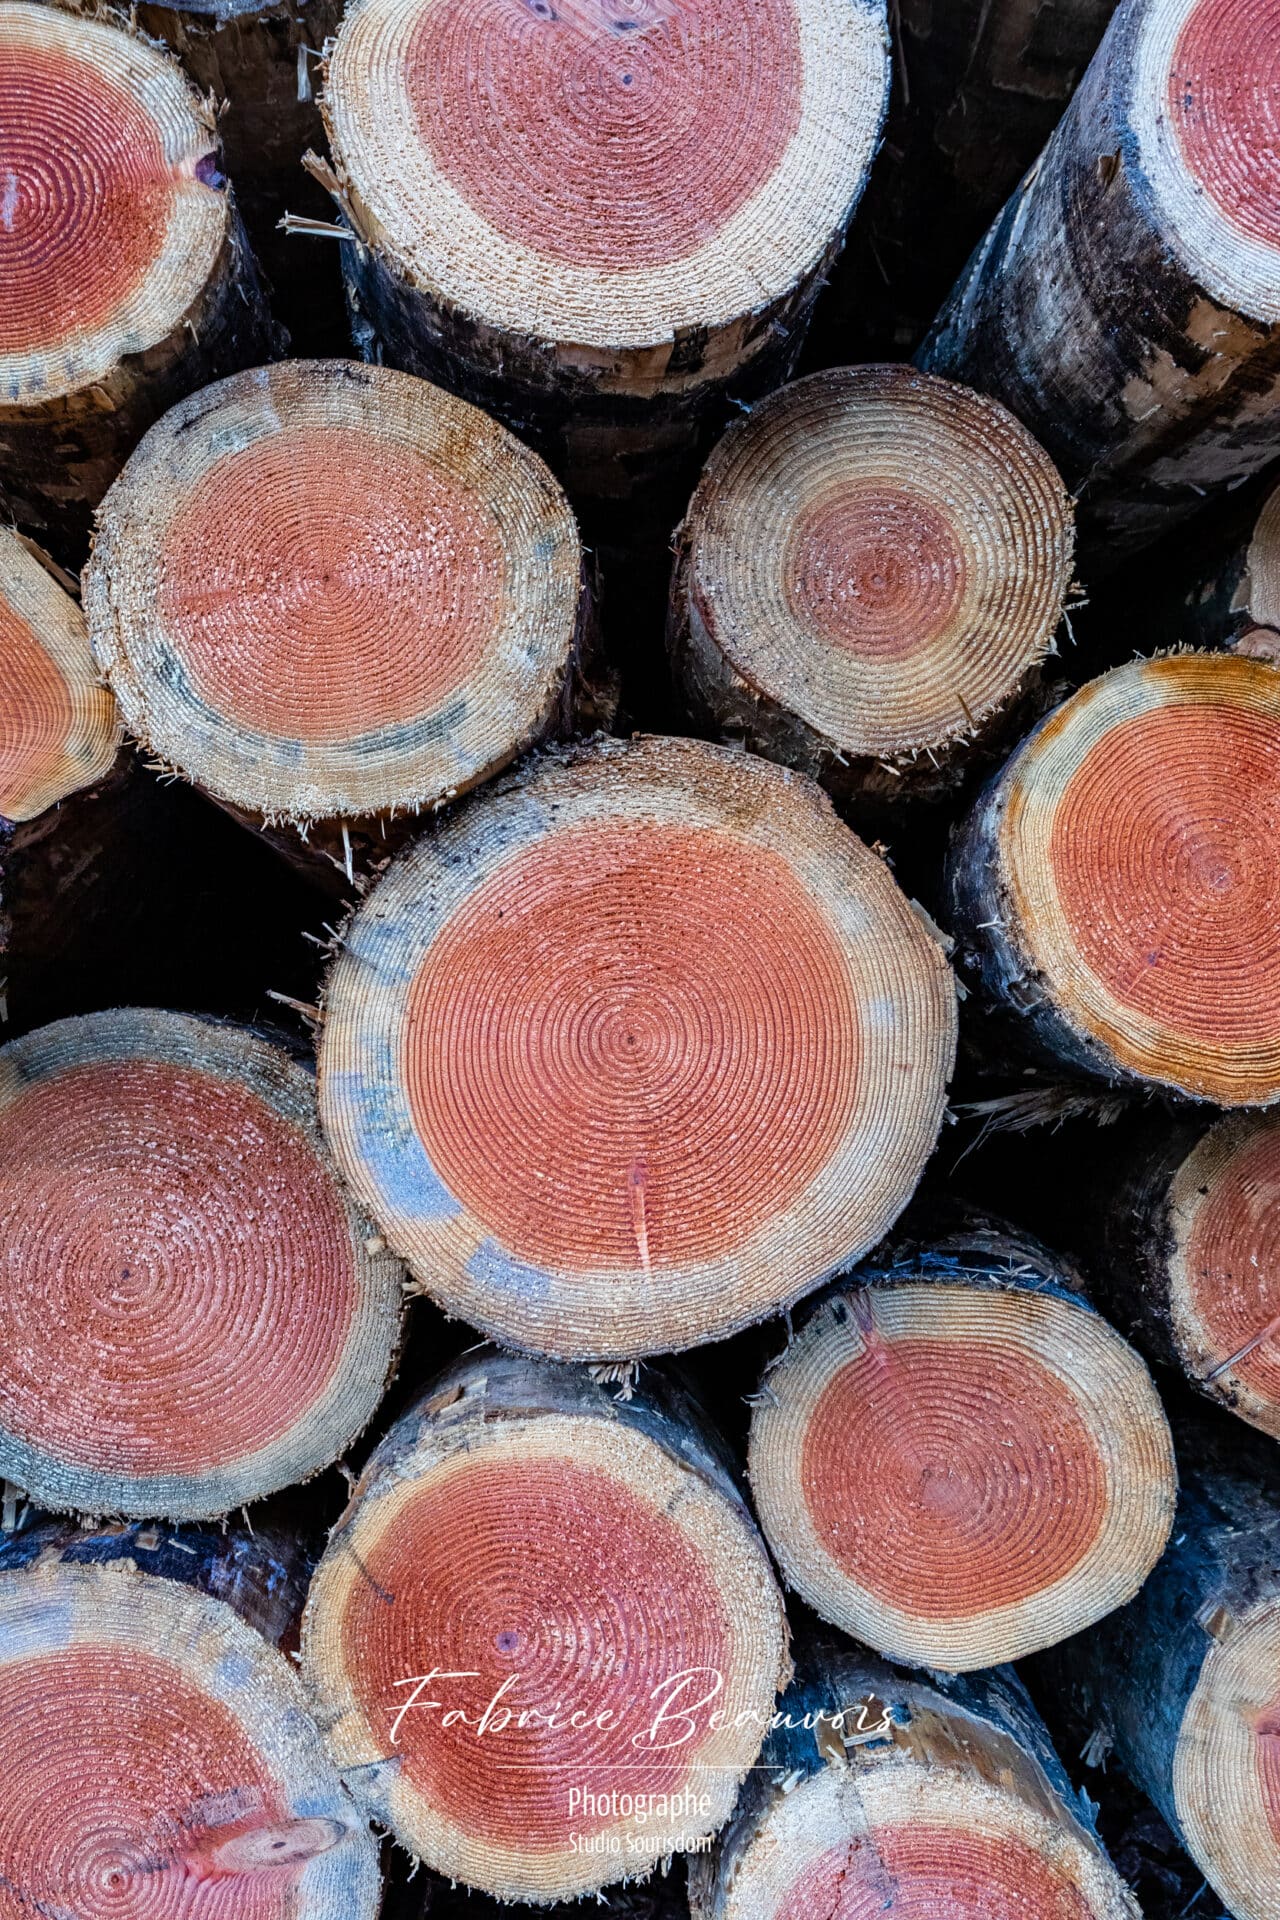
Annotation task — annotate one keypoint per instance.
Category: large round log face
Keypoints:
(1226, 1772)
(569, 1570)
(159, 1765)
(329, 590)
(58, 726)
(928, 1843)
(1205, 91)
(1224, 1265)
(111, 209)
(958, 1475)
(634, 1050)
(880, 559)
(1138, 852)
(189, 1317)
(625, 172)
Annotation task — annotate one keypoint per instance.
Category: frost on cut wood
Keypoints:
(558, 1550)
(871, 572)
(125, 280)
(59, 731)
(637, 1048)
(957, 1460)
(1190, 1252)
(158, 1753)
(1114, 889)
(333, 594)
(887, 1791)
(1182, 1687)
(636, 210)
(191, 1314)
(1126, 304)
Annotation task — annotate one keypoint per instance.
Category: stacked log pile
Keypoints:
(546, 1330)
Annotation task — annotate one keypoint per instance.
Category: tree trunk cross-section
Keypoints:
(125, 278)
(192, 1314)
(158, 1756)
(1115, 887)
(637, 1048)
(637, 209)
(927, 1798)
(1126, 304)
(871, 571)
(958, 1461)
(525, 1530)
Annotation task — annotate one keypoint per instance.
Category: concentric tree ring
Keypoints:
(960, 1474)
(190, 1316)
(635, 1049)
(322, 589)
(878, 556)
(58, 726)
(159, 1761)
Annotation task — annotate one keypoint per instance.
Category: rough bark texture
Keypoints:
(1076, 310)
(979, 86)
(1221, 586)
(976, 1737)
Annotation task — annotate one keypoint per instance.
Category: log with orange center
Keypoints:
(638, 1047)
(544, 1642)
(190, 1315)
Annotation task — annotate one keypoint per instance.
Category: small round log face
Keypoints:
(1226, 1769)
(188, 1316)
(959, 1475)
(625, 172)
(1224, 1265)
(1137, 852)
(571, 1570)
(58, 725)
(1206, 83)
(880, 555)
(635, 1050)
(926, 1843)
(159, 1764)
(112, 214)
(323, 589)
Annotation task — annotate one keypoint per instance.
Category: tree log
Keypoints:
(958, 1461)
(1126, 304)
(158, 1754)
(1114, 888)
(1184, 1683)
(192, 1313)
(634, 216)
(979, 86)
(636, 1049)
(869, 576)
(332, 595)
(59, 730)
(125, 277)
(1190, 1253)
(1226, 591)
(527, 1542)
(935, 1799)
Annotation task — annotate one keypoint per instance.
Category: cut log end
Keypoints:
(1206, 87)
(959, 1475)
(58, 726)
(554, 1564)
(322, 589)
(1138, 857)
(635, 1049)
(190, 1317)
(628, 172)
(158, 1759)
(880, 556)
(112, 208)
(1224, 1265)
(1226, 1765)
